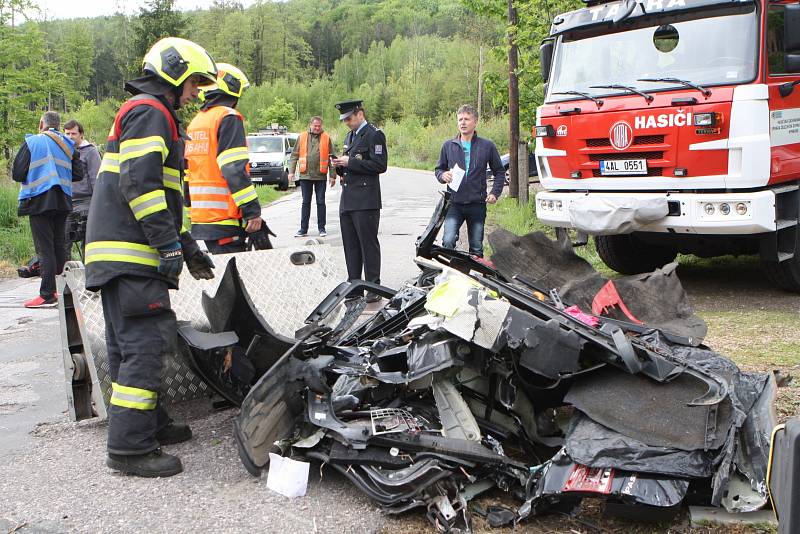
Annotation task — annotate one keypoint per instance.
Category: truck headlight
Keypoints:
(709, 208)
(741, 208)
(724, 208)
(705, 119)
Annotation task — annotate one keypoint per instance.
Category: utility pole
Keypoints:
(513, 104)
(480, 80)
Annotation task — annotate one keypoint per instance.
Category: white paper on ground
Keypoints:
(286, 476)
(458, 175)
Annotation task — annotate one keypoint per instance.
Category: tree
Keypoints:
(25, 76)
(157, 19)
(279, 112)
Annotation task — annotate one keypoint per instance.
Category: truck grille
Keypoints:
(626, 155)
(599, 142)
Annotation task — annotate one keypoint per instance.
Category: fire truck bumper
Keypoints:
(698, 213)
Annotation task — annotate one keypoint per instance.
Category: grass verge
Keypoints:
(16, 243)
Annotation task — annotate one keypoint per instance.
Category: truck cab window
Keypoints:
(775, 40)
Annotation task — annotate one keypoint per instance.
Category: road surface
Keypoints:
(54, 475)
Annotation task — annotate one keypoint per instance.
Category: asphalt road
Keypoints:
(54, 477)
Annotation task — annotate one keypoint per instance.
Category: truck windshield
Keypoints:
(708, 51)
(265, 144)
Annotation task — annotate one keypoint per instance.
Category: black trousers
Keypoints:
(362, 250)
(48, 240)
(140, 328)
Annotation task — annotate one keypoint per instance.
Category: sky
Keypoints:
(61, 9)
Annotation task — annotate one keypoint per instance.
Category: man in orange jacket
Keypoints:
(311, 156)
(223, 202)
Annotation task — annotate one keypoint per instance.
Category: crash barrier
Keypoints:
(284, 285)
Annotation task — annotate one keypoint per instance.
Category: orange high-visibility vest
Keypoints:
(324, 152)
(211, 200)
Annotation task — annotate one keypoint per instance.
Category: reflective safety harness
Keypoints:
(210, 197)
(324, 151)
(50, 166)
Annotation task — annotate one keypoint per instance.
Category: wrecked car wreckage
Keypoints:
(476, 376)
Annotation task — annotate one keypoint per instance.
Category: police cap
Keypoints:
(348, 107)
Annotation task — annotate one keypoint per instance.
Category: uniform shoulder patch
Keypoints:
(379, 149)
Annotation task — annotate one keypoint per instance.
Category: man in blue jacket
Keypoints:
(472, 154)
(45, 166)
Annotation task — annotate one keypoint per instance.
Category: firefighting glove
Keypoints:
(260, 239)
(170, 260)
(199, 263)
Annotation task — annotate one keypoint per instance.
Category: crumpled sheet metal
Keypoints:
(284, 294)
(658, 298)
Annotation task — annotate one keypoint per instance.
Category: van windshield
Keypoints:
(265, 144)
(700, 50)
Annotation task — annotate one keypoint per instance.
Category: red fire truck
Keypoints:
(673, 126)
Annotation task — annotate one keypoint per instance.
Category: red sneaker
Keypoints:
(40, 302)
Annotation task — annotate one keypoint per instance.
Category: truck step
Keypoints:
(783, 256)
(780, 224)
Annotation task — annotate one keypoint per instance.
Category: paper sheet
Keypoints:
(458, 176)
(286, 476)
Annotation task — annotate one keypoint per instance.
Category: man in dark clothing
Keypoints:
(462, 165)
(364, 158)
(135, 250)
(81, 191)
(46, 165)
(311, 154)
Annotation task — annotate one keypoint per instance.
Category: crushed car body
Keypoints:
(530, 374)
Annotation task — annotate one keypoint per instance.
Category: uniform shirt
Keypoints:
(467, 147)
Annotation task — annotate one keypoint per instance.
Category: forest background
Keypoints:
(413, 62)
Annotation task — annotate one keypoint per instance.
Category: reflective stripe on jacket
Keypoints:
(137, 205)
(324, 152)
(219, 183)
(51, 164)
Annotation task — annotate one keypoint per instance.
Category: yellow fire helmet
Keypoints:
(230, 80)
(174, 60)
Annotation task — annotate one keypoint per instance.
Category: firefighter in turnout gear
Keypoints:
(223, 202)
(136, 247)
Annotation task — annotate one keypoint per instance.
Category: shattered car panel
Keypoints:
(452, 388)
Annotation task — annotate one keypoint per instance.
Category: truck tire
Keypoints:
(628, 255)
(784, 274)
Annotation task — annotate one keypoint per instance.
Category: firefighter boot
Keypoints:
(152, 464)
(174, 433)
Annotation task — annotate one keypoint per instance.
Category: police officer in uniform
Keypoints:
(136, 247)
(364, 158)
(224, 204)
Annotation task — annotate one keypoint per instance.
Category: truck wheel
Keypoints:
(283, 183)
(784, 274)
(628, 255)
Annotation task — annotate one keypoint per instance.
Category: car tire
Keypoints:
(628, 255)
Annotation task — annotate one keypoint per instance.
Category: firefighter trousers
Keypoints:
(140, 328)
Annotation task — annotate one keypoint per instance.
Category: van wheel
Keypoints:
(628, 255)
(283, 183)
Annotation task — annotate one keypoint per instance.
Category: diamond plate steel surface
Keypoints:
(284, 294)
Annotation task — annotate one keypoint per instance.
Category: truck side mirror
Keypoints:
(791, 45)
(546, 57)
(791, 29)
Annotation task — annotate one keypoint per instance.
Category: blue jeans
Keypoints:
(307, 188)
(475, 215)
